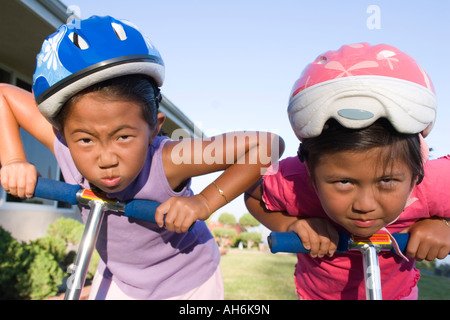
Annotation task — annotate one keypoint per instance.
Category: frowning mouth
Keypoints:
(364, 223)
(110, 182)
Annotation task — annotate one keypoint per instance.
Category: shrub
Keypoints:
(69, 230)
(42, 273)
(8, 265)
(36, 270)
(29, 271)
(55, 246)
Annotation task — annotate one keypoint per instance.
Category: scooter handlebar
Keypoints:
(141, 209)
(56, 190)
(61, 191)
(290, 242)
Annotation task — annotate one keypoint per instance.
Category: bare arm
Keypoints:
(273, 220)
(318, 235)
(18, 109)
(242, 156)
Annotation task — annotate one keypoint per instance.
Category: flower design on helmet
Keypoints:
(336, 65)
(50, 49)
(48, 65)
(388, 57)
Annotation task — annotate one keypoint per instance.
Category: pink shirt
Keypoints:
(341, 277)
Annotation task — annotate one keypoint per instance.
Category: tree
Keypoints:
(227, 219)
(247, 221)
(250, 238)
(223, 235)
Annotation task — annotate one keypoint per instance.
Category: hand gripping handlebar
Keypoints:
(74, 194)
(290, 242)
(369, 247)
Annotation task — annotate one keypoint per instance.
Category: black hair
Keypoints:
(138, 88)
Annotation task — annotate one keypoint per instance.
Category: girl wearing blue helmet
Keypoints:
(97, 93)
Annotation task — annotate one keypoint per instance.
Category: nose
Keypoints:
(365, 201)
(107, 159)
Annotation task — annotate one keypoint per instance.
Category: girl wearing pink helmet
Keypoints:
(360, 113)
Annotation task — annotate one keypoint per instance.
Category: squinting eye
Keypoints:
(387, 180)
(343, 185)
(388, 183)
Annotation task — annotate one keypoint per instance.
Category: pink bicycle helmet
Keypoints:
(358, 84)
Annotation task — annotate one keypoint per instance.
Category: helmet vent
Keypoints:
(78, 41)
(322, 60)
(120, 32)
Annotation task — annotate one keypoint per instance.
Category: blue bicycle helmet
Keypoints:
(82, 53)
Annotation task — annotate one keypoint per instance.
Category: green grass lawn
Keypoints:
(433, 287)
(253, 275)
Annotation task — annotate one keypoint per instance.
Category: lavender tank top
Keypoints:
(145, 261)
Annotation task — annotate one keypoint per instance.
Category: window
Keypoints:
(5, 76)
(22, 84)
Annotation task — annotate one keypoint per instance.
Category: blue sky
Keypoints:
(230, 65)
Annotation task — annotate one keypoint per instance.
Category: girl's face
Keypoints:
(108, 140)
(359, 192)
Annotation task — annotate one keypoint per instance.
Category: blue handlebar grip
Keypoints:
(56, 190)
(290, 242)
(402, 241)
(285, 242)
(141, 209)
(144, 210)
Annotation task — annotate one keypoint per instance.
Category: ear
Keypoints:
(160, 118)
